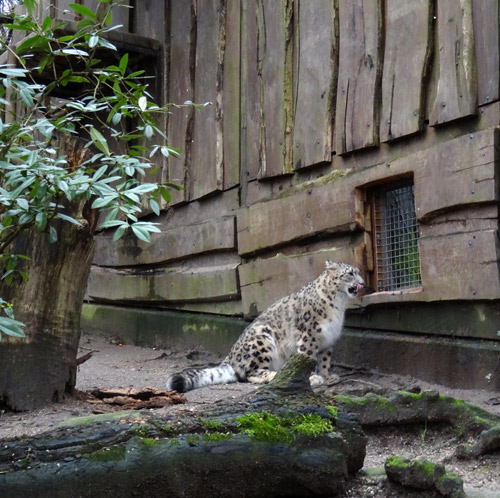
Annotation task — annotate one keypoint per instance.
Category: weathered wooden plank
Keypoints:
(456, 95)
(460, 266)
(207, 147)
(180, 90)
(475, 218)
(315, 82)
(202, 284)
(206, 209)
(120, 13)
(91, 4)
(170, 244)
(360, 67)
(468, 163)
(149, 19)
(264, 281)
(275, 47)
(231, 95)
(485, 16)
(301, 214)
(407, 49)
(60, 8)
(250, 93)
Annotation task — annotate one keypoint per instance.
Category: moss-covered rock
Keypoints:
(424, 474)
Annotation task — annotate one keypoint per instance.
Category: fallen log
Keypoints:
(281, 440)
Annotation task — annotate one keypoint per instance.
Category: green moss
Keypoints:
(217, 436)
(333, 411)
(450, 477)
(192, 439)
(161, 427)
(413, 396)
(397, 461)
(83, 421)
(427, 467)
(142, 431)
(112, 454)
(312, 425)
(266, 426)
(384, 405)
(105, 417)
(323, 180)
(149, 442)
(340, 398)
(210, 424)
(370, 399)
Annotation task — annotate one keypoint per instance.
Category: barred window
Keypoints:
(395, 233)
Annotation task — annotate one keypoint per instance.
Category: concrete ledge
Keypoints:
(458, 363)
(163, 328)
(454, 362)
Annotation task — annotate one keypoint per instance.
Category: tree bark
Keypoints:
(196, 454)
(40, 368)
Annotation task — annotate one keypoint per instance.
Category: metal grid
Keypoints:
(397, 264)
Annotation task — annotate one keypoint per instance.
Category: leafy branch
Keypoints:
(109, 108)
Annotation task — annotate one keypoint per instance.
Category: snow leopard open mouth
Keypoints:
(355, 289)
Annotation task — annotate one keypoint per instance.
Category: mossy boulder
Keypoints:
(424, 474)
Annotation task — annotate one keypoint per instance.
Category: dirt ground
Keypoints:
(117, 365)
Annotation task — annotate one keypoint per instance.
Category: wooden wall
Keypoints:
(313, 103)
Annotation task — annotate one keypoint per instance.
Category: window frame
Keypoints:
(375, 249)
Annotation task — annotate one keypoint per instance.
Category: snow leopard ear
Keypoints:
(330, 264)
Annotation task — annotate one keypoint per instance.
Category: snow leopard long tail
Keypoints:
(193, 378)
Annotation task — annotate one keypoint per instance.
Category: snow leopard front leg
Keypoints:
(324, 366)
(308, 345)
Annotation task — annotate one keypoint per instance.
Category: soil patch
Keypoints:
(115, 365)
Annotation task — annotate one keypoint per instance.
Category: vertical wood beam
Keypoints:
(207, 162)
(180, 80)
(456, 95)
(360, 71)
(486, 19)
(315, 81)
(275, 56)
(407, 53)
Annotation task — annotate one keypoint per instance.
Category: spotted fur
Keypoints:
(308, 321)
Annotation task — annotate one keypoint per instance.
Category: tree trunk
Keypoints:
(40, 368)
(196, 454)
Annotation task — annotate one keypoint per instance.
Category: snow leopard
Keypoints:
(308, 321)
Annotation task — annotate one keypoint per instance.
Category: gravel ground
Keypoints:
(114, 364)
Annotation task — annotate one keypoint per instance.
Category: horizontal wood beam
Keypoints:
(264, 281)
(170, 244)
(219, 283)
